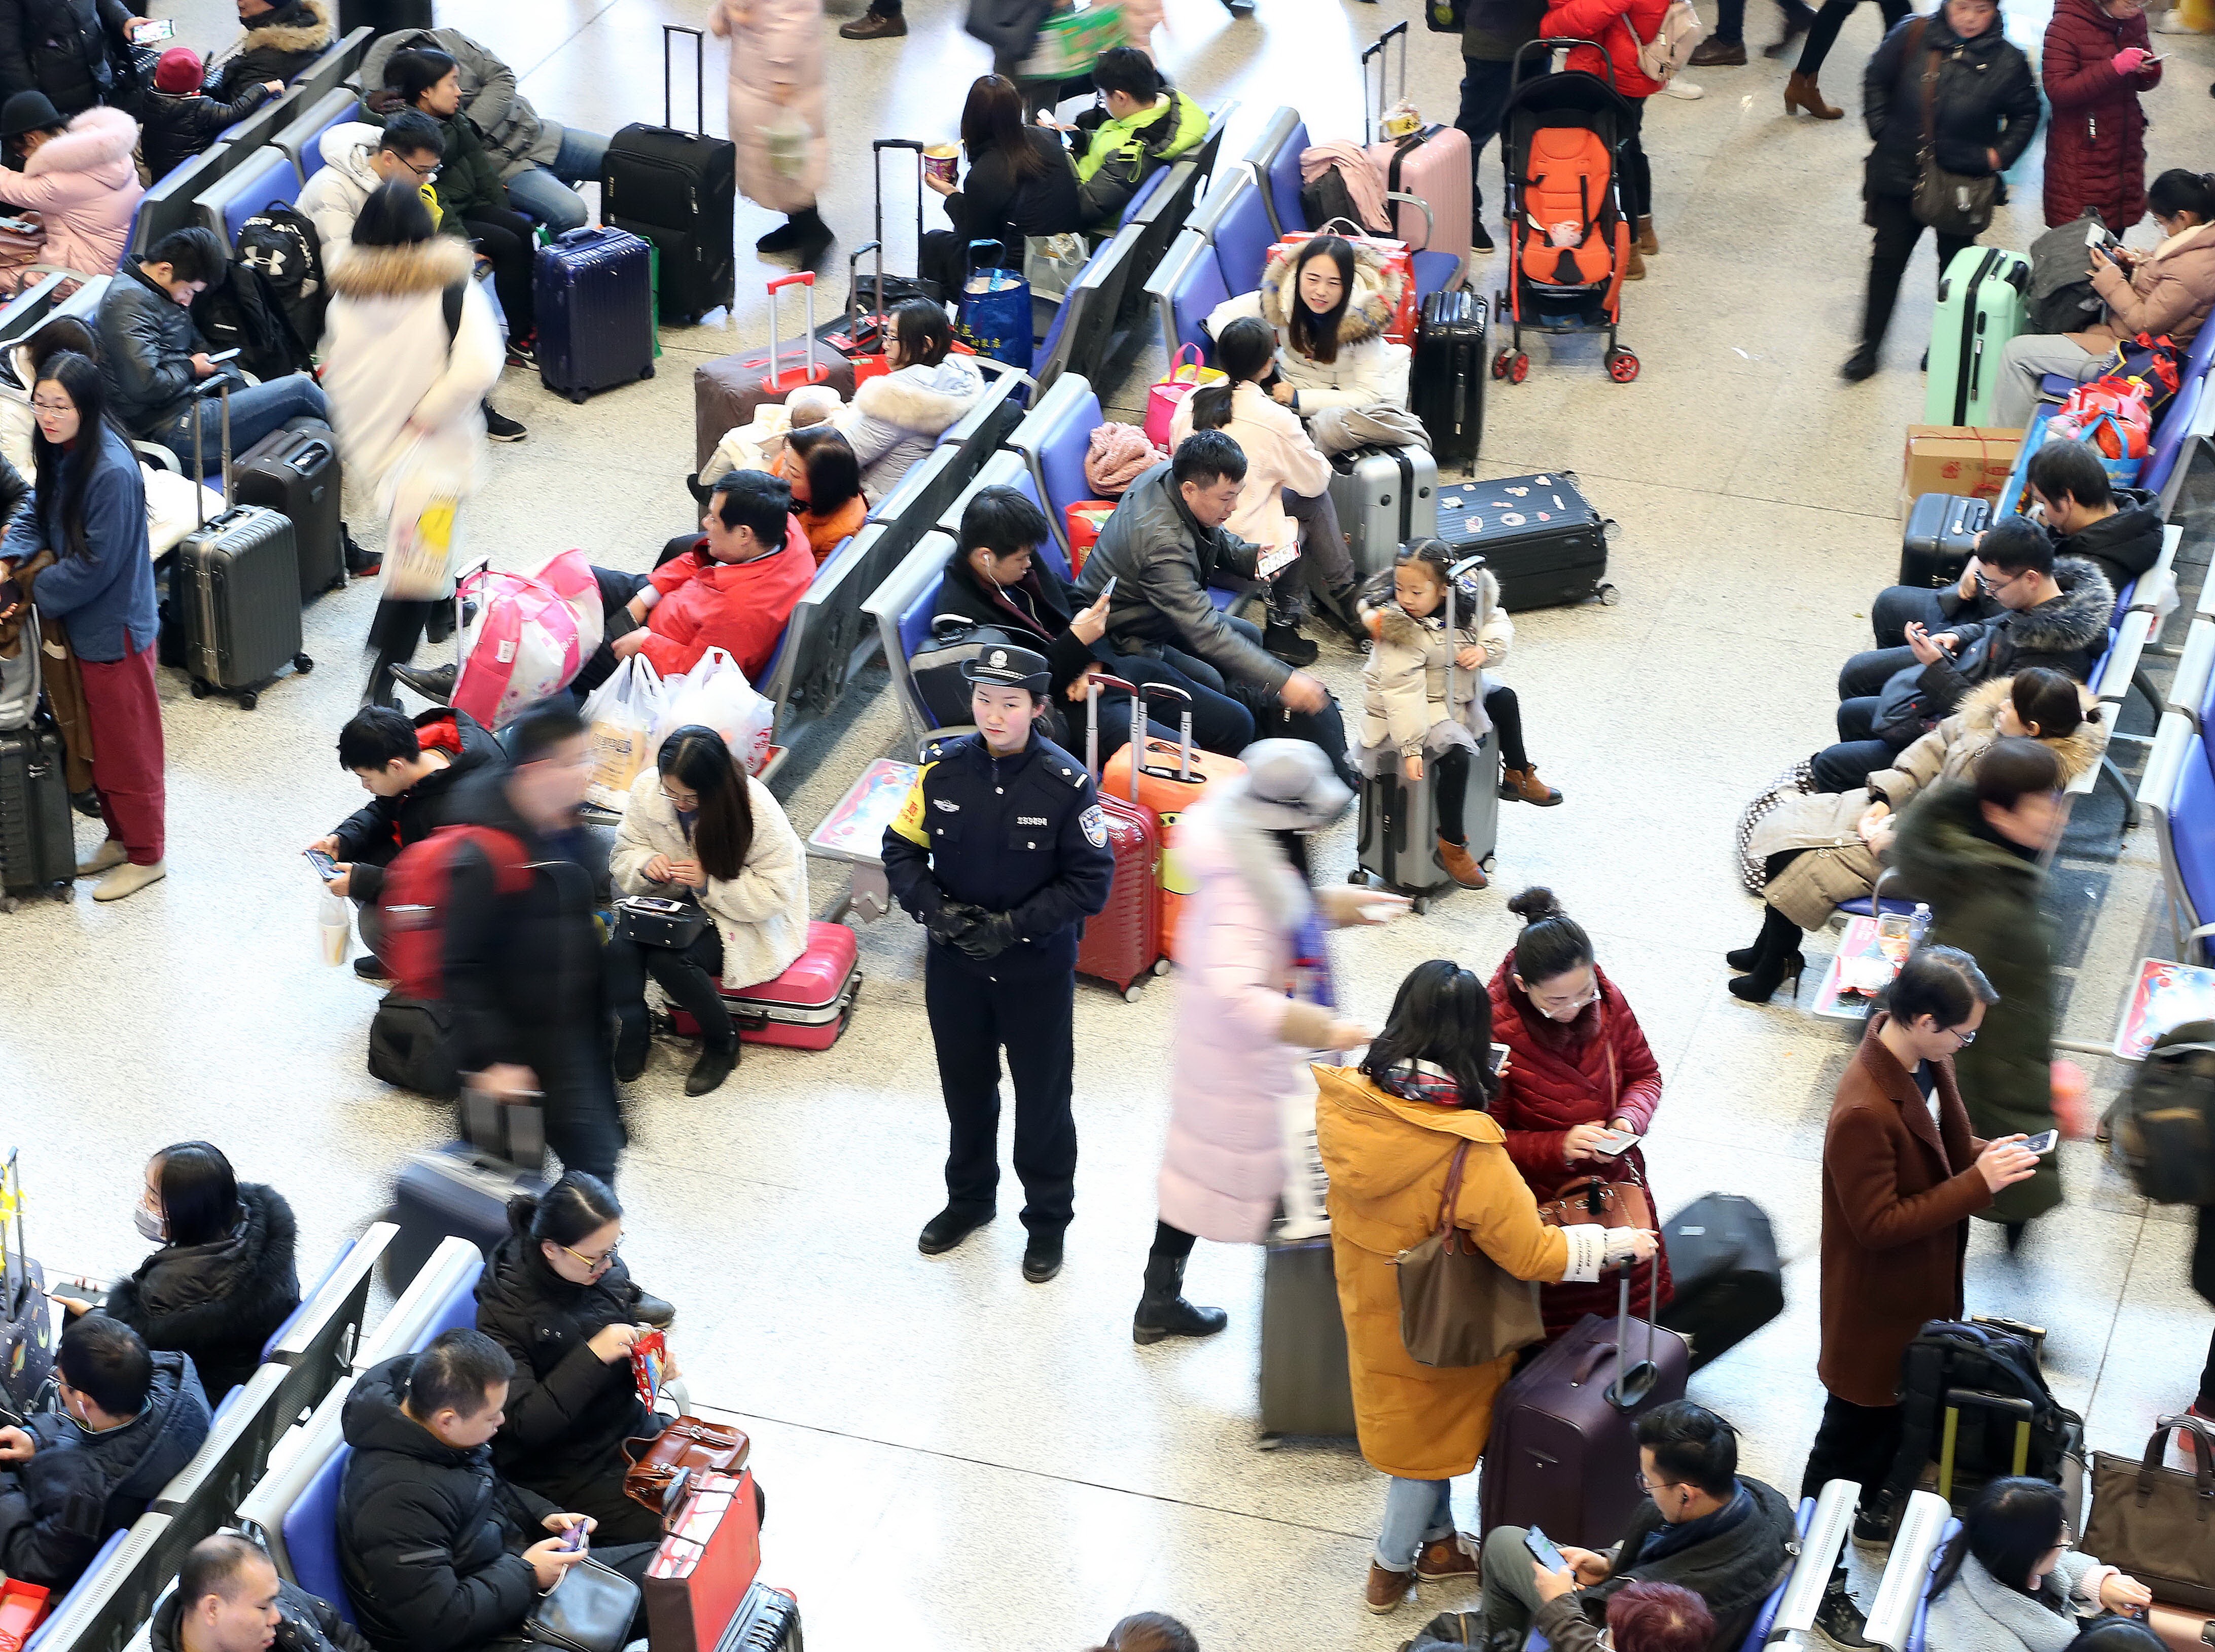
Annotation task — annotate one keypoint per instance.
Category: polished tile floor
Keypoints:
(956, 1459)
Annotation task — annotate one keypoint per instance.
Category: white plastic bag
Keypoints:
(786, 136)
(715, 694)
(1306, 1185)
(621, 715)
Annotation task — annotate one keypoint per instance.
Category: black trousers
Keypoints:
(2203, 1281)
(1893, 217)
(1854, 1442)
(594, 1486)
(584, 1122)
(1506, 714)
(1484, 88)
(1637, 174)
(1823, 33)
(692, 976)
(506, 238)
(1452, 766)
(617, 589)
(1730, 19)
(1030, 1013)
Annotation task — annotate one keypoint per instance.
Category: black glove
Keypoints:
(953, 920)
(993, 935)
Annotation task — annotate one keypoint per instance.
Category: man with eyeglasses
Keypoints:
(357, 158)
(1703, 1526)
(129, 1421)
(1902, 1175)
(2050, 612)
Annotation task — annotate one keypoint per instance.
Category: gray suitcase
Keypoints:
(1304, 1386)
(236, 591)
(1400, 825)
(295, 470)
(1386, 496)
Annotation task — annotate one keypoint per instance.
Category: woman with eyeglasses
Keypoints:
(557, 1297)
(1971, 848)
(1577, 1076)
(699, 828)
(1902, 1175)
(2009, 1581)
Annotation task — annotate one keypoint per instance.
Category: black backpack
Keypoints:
(283, 245)
(2164, 1134)
(2008, 1420)
(241, 313)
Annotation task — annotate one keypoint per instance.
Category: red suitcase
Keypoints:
(1122, 942)
(804, 1009)
(1562, 1456)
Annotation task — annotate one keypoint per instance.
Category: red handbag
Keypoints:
(1401, 330)
(700, 1576)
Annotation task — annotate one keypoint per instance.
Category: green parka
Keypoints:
(1983, 894)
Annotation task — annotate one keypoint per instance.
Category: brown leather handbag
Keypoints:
(1596, 1199)
(685, 1446)
(2156, 1522)
(1457, 1306)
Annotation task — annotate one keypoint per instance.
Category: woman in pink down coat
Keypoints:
(1255, 1002)
(81, 181)
(776, 74)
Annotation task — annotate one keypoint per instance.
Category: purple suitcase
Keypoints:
(593, 291)
(1562, 1456)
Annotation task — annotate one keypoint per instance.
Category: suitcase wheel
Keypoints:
(199, 689)
(1608, 594)
(1161, 965)
(249, 700)
(1420, 904)
(646, 372)
(578, 396)
(1621, 366)
(302, 664)
(1357, 876)
(1130, 992)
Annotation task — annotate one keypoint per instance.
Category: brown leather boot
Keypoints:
(1524, 786)
(1448, 1557)
(1387, 1589)
(1800, 92)
(1461, 865)
(1635, 269)
(1648, 243)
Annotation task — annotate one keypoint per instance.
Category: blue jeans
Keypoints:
(543, 192)
(254, 412)
(1416, 1512)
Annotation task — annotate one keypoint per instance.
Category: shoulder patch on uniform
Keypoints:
(938, 750)
(1075, 777)
(1096, 827)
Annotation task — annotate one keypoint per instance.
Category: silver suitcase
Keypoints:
(1386, 497)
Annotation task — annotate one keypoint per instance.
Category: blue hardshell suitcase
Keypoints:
(594, 295)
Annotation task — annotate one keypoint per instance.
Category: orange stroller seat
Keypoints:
(1567, 182)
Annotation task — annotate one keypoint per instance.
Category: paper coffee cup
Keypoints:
(942, 162)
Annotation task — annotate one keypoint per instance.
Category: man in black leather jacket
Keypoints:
(229, 1599)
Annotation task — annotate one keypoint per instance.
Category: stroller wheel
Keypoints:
(1500, 363)
(1621, 366)
(1519, 369)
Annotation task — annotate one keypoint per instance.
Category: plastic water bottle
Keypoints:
(1895, 935)
(333, 924)
(1919, 925)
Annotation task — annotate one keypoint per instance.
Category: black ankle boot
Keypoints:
(1163, 1311)
(1776, 955)
(634, 1039)
(714, 1064)
(1772, 935)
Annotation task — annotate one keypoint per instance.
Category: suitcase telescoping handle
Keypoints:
(699, 77)
(1454, 576)
(1093, 685)
(877, 148)
(775, 384)
(854, 311)
(1368, 134)
(1167, 692)
(221, 385)
(1633, 1383)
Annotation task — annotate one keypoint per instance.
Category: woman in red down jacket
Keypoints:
(1577, 1065)
(2094, 64)
(1611, 23)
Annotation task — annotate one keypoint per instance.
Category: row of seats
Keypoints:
(320, 1343)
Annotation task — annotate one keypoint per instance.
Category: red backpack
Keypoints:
(409, 1039)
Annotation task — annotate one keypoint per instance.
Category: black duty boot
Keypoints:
(653, 1310)
(713, 1065)
(1163, 1311)
(1042, 1255)
(1859, 365)
(634, 1041)
(436, 684)
(950, 1226)
(1839, 1620)
(1286, 642)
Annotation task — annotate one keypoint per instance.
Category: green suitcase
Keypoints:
(1980, 308)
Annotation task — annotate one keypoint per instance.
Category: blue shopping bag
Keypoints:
(994, 316)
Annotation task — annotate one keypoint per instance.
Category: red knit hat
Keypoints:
(178, 73)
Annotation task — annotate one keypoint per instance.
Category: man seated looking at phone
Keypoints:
(2049, 611)
(1703, 1526)
(2169, 289)
(158, 365)
(439, 1552)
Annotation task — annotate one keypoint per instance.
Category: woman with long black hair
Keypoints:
(699, 827)
(1021, 183)
(87, 533)
(1330, 301)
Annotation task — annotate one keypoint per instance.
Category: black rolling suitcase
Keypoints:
(461, 1190)
(37, 849)
(1541, 539)
(235, 588)
(1446, 383)
(295, 471)
(1304, 1386)
(1723, 1265)
(767, 1620)
(679, 191)
(1941, 537)
(28, 1337)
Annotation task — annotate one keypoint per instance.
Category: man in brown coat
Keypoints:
(1895, 1226)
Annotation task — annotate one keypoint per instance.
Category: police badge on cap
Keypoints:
(1005, 666)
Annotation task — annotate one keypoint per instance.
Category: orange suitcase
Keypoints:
(1172, 777)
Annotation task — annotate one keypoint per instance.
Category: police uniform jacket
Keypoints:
(1020, 834)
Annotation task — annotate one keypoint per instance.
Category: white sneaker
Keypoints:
(1683, 89)
(110, 853)
(128, 880)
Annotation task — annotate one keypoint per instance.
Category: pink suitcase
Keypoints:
(1430, 164)
(804, 1009)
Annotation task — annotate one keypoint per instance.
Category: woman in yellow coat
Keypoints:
(1389, 1130)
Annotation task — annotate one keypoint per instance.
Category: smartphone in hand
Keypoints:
(1543, 1550)
(1615, 1142)
(2043, 1143)
(574, 1540)
(326, 868)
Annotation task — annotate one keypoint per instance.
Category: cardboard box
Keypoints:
(1970, 460)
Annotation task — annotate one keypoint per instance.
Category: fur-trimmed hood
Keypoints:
(2078, 750)
(1396, 625)
(365, 273)
(1375, 295)
(926, 399)
(96, 138)
(303, 26)
(2077, 618)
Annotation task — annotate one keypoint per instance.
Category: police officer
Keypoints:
(1001, 853)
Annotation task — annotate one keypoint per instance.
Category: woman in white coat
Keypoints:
(2009, 1581)
(1284, 505)
(697, 825)
(1330, 301)
(410, 351)
(776, 115)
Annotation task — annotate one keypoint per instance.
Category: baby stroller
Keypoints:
(1568, 239)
